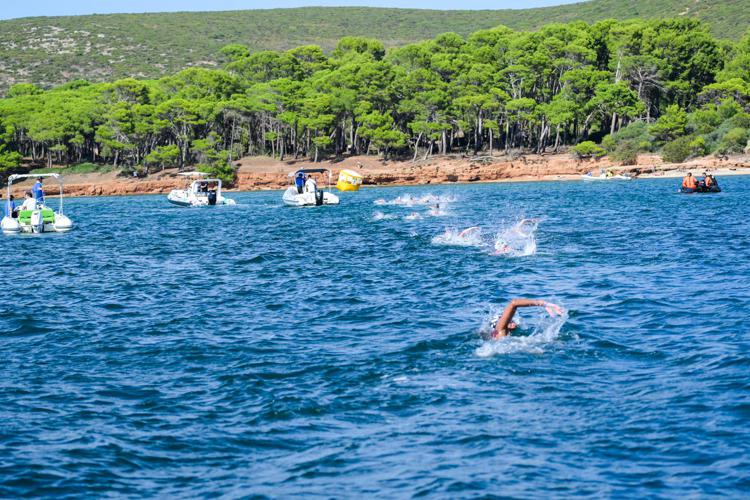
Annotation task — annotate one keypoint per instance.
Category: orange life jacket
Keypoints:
(709, 181)
(689, 183)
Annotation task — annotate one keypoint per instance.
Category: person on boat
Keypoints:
(709, 181)
(505, 324)
(10, 207)
(38, 191)
(311, 186)
(29, 203)
(299, 181)
(689, 182)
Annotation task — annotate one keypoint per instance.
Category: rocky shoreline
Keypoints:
(262, 173)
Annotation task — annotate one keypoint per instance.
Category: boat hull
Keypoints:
(293, 198)
(60, 224)
(182, 198)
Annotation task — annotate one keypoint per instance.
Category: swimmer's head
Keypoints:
(512, 326)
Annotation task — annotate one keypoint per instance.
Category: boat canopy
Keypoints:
(55, 176)
(218, 181)
(33, 176)
(310, 171)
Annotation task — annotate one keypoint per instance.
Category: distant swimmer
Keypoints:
(505, 323)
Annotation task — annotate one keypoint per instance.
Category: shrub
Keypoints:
(733, 141)
(587, 149)
(623, 146)
(626, 153)
(677, 151)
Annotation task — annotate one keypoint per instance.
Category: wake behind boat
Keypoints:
(34, 216)
(202, 192)
(305, 193)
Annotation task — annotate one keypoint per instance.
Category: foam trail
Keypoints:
(411, 201)
(471, 237)
(545, 333)
(382, 216)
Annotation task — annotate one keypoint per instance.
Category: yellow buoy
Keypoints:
(349, 180)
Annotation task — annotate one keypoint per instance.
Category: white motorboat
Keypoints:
(605, 176)
(40, 219)
(306, 193)
(202, 192)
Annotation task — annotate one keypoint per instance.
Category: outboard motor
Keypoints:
(212, 197)
(37, 222)
(318, 198)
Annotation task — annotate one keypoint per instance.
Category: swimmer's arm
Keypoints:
(501, 328)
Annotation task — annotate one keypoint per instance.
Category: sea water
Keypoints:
(341, 351)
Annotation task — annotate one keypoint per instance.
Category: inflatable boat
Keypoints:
(202, 192)
(305, 193)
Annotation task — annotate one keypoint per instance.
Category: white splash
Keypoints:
(412, 201)
(545, 333)
(471, 237)
(518, 240)
(382, 216)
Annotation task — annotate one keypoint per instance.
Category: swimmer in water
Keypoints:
(501, 245)
(505, 324)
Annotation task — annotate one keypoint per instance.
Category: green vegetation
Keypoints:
(633, 86)
(588, 149)
(81, 168)
(48, 51)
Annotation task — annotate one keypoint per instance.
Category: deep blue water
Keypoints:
(265, 350)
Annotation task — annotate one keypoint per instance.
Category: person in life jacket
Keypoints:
(299, 181)
(38, 191)
(505, 324)
(709, 181)
(689, 182)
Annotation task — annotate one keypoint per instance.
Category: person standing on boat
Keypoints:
(311, 186)
(10, 207)
(505, 323)
(299, 181)
(38, 191)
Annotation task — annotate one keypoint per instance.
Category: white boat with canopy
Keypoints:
(305, 193)
(40, 219)
(201, 192)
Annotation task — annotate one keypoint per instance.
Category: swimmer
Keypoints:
(505, 324)
(413, 216)
(435, 211)
(504, 244)
(469, 232)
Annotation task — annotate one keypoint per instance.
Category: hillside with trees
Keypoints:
(609, 87)
(49, 51)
